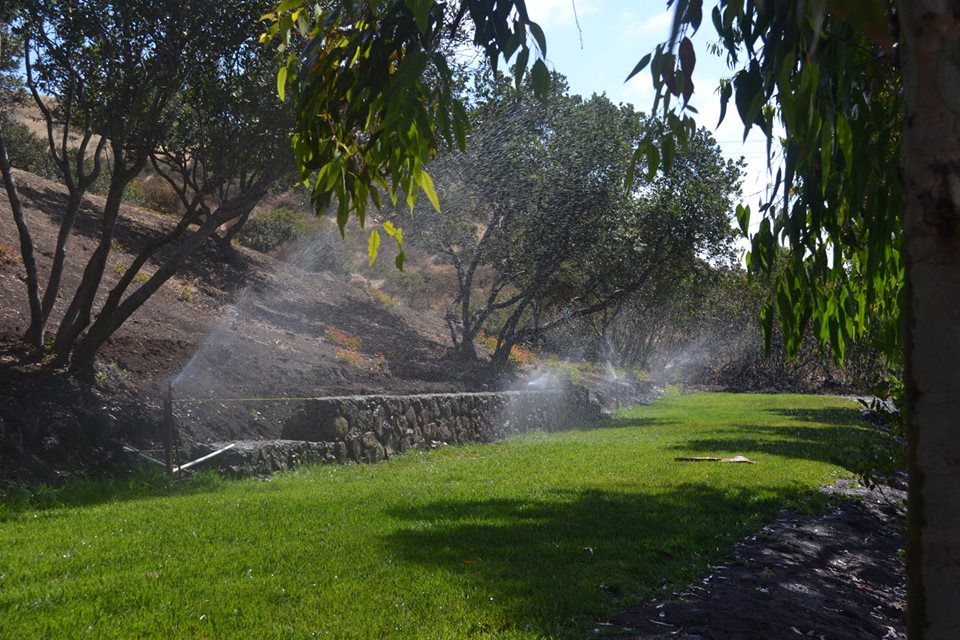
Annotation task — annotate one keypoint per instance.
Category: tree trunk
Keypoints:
(225, 242)
(60, 255)
(930, 60)
(35, 333)
(78, 314)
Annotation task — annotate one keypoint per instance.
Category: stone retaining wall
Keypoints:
(374, 428)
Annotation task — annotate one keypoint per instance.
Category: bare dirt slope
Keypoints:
(250, 326)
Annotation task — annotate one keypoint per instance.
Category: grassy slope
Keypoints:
(536, 536)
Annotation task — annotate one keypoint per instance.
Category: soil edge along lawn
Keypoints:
(536, 536)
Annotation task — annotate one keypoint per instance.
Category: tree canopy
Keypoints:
(119, 85)
(539, 224)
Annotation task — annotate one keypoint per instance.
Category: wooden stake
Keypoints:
(168, 429)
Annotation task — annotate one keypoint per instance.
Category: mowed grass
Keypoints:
(537, 536)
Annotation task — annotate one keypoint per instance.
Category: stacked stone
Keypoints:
(374, 428)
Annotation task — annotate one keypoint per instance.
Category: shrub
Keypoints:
(521, 355)
(348, 355)
(405, 284)
(518, 355)
(185, 293)
(322, 249)
(28, 151)
(121, 269)
(565, 370)
(383, 298)
(343, 339)
(487, 340)
(270, 230)
(315, 245)
(108, 373)
(157, 194)
(9, 254)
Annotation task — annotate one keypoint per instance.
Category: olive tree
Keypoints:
(121, 85)
(539, 226)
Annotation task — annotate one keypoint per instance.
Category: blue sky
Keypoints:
(615, 35)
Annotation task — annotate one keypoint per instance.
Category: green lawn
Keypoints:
(537, 536)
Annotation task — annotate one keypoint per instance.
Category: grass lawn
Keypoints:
(537, 536)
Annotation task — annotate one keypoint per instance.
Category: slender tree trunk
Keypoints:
(930, 59)
(226, 241)
(60, 254)
(35, 333)
(78, 314)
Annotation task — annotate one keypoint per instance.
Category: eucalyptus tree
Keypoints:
(374, 95)
(864, 204)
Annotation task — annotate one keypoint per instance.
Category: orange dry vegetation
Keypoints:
(343, 339)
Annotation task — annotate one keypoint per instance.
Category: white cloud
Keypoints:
(552, 14)
(656, 25)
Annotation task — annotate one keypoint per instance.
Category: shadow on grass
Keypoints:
(146, 483)
(840, 416)
(841, 438)
(556, 565)
(620, 422)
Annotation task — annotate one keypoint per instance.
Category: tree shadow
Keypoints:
(841, 416)
(555, 565)
(840, 438)
(135, 228)
(145, 483)
(619, 422)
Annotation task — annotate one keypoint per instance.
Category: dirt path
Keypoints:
(838, 576)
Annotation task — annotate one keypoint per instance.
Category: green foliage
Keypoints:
(407, 285)
(298, 237)
(484, 554)
(539, 225)
(374, 93)
(271, 230)
(837, 199)
(153, 193)
(563, 369)
(27, 151)
(186, 293)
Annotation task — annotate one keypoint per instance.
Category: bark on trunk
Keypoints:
(78, 314)
(930, 60)
(34, 334)
(60, 255)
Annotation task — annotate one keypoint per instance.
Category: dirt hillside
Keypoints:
(250, 327)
